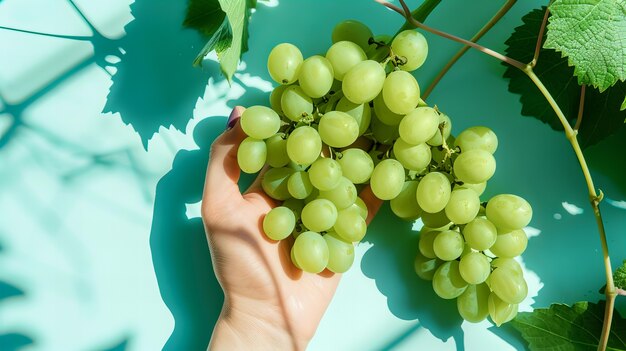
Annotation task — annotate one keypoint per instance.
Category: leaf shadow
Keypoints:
(12, 341)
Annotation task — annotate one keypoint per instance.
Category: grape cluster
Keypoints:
(355, 117)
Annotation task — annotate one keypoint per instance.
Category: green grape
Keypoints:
(296, 103)
(350, 226)
(361, 113)
(447, 281)
(304, 145)
(433, 192)
(435, 220)
(284, 62)
(343, 55)
(279, 222)
(401, 92)
(311, 252)
(363, 82)
(384, 134)
(427, 238)
(384, 114)
(387, 179)
(480, 234)
(448, 245)
(275, 98)
(413, 157)
(325, 173)
(338, 129)
(426, 267)
(507, 263)
(412, 46)
(359, 207)
(275, 181)
(510, 243)
(473, 303)
(259, 122)
(405, 204)
(508, 284)
(299, 185)
(437, 140)
(295, 205)
(474, 267)
(479, 188)
(354, 31)
(319, 215)
(340, 253)
(477, 138)
(508, 211)
(316, 76)
(463, 205)
(500, 311)
(251, 155)
(419, 125)
(474, 166)
(277, 150)
(343, 195)
(293, 258)
(356, 165)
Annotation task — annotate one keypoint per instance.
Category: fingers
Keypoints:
(373, 203)
(223, 171)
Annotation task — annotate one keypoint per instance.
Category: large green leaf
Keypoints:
(601, 115)
(592, 34)
(619, 276)
(565, 328)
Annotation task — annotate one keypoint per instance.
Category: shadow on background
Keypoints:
(390, 263)
(12, 341)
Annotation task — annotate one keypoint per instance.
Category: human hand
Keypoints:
(269, 303)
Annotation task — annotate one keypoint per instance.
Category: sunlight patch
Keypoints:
(193, 210)
(571, 208)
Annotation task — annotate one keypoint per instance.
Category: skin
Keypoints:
(269, 304)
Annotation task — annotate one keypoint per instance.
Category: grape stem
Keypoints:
(581, 107)
(542, 31)
(570, 134)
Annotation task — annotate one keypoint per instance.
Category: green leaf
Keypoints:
(205, 16)
(591, 34)
(619, 276)
(623, 107)
(601, 115)
(565, 328)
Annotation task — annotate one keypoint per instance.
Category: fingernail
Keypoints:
(234, 116)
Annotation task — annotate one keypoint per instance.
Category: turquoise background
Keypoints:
(101, 244)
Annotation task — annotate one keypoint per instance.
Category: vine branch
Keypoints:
(542, 31)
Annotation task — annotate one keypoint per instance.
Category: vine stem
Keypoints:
(570, 134)
(581, 107)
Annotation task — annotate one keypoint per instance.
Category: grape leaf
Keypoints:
(619, 276)
(601, 114)
(591, 34)
(565, 328)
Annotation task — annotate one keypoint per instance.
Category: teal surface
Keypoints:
(101, 244)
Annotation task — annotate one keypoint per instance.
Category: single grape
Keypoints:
(325, 173)
(474, 267)
(340, 253)
(319, 215)
(382, 133)
(405, 204)
(426, 267)
(463, 205)
(304, 145)
(474, 166)
(507, 263)
(260, 122)
(296, 103)
(311, 252)
(384, 114)
(359, 207)
(293, 257)
(500, 311)
(343, 195)
(338, 129)
(401, 92)
(361, 113)
(387, 179)
(363, 82)
(350, 226)
(473, 303)
(275, 98)
(277, 150)
(274, 183)
(251, 155)
(477, 138)
(343, 55)
(510, 243)
(316, 76)
(508, 284)
(427, 238)
(437, 139)
(433, 192)
(356, 165)
(447, 281)
(435, 220)
(354, 31)
(480, 234)
(419, 125)
(278, 223)
(508, 211)
(411, 46)
(479, 188)
(284, 62)
(448, 245)
(299, 185)
(413, 157)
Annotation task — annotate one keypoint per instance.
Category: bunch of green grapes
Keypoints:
(355, 117)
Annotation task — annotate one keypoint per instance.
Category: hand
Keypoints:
(269, 303)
